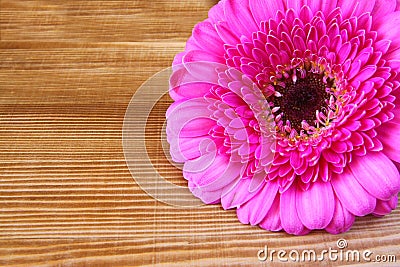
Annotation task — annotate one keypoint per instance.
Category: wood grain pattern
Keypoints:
(68, 71)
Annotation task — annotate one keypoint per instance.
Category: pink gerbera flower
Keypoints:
(325, 75)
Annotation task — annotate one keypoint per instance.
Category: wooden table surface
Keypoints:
(67, 198)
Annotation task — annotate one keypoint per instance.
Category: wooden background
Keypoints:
(68, 72)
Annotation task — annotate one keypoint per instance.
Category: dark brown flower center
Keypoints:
(300, 100)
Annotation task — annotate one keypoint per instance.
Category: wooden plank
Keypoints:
(106, 21)
(68, 71)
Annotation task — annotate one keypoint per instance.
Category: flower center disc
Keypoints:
(300, 100)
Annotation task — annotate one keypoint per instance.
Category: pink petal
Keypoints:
(197, 127)
(382, 46)
(239, 17)
(227, 179)
(365, 73)
(200, 55)
(233, 100)
(384, 25)
(181, 112)
(272, 221)
(198, 72)
(208, 185)
(181, 123)
(308, 175)
(385, 207)
(236, 123)
(299, 43)
(234, 197)
(327, 6)
(206, 36)
(187, 91)
(396, 112)
(339, 147)
(365, 6)
(303, 168)
(354, 69)
(347, 7)
(225, 33)
(257, 180)
(352, 195)
(205, 169)
(314, 5)
(295, 4)
(394, 64)
(364, 55)
(315, 206)
(216, 13)
(331, 156)
(295, 160)
(268, 10)
(191, 44)
(242, 135)
(389, 135)
(324, 173)
(342, 219)
(312, 35)
(356, 139)
(183, 149)
(383, 7)
(207, 197)
(284, 170)
(260, 55)
(290, 220)
(286, 182)
(344, 52)
(377, 174)
(255, 210)
(367, 124)
(178, 58)
(306, 13)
